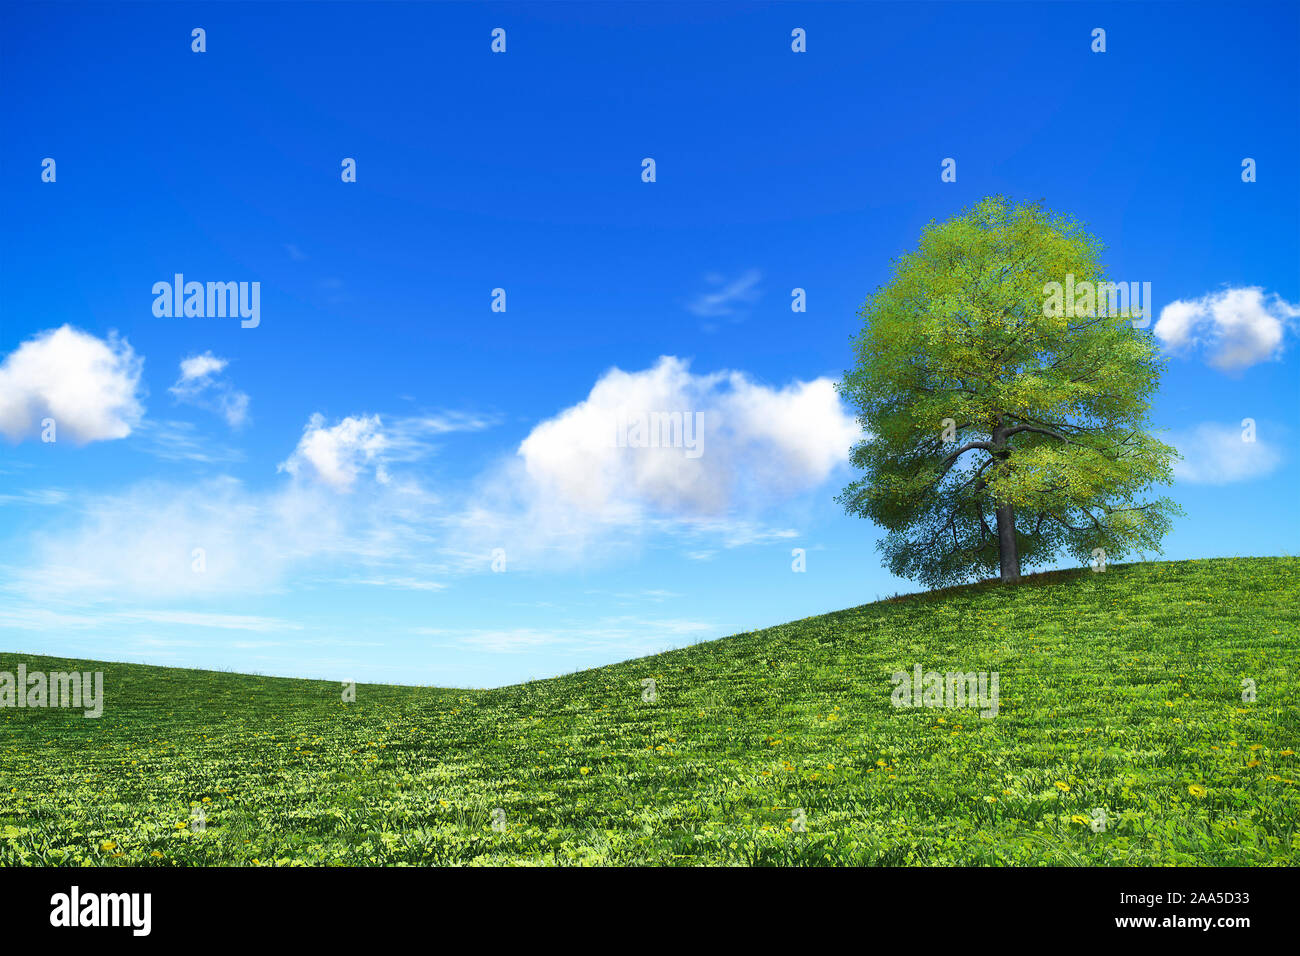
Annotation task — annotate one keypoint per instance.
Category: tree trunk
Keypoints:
(1008, 556)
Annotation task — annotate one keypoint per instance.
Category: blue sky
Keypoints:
(348, 466)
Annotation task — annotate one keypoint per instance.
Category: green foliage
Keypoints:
(1050, 412)
(1120, 690)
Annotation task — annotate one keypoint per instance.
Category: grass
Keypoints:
(1120, 691)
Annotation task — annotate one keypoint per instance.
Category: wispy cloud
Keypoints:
(726, 297)
(629, 635)
(42, 619)
(201, 384)
(399, 582)
(338, 454)
(1216, 454)
(173, 440)
(410, 438)
(46, 497)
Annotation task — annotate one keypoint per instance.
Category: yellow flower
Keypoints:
(1062, 786)
(1079, 818)
(584, 770)
(1252, 763)
(1196, 790)
(1255, 746)
(155, 853)
(1288, 753)
(880, 763)
(107, 845)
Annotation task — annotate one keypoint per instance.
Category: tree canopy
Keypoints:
(1002, 433)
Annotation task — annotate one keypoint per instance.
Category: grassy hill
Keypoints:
(1120, 690)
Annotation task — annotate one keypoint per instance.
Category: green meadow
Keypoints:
(1120, 692)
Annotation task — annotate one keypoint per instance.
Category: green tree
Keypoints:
(1001, 431)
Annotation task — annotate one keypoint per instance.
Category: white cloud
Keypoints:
(567, 497)
(755, 444)
(87, 385)
(1234, 328)
(1214, 454)
(199, 385)
(725, 299)
(337, 455)
(570, 497)
(140, 544)
(201, 366)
